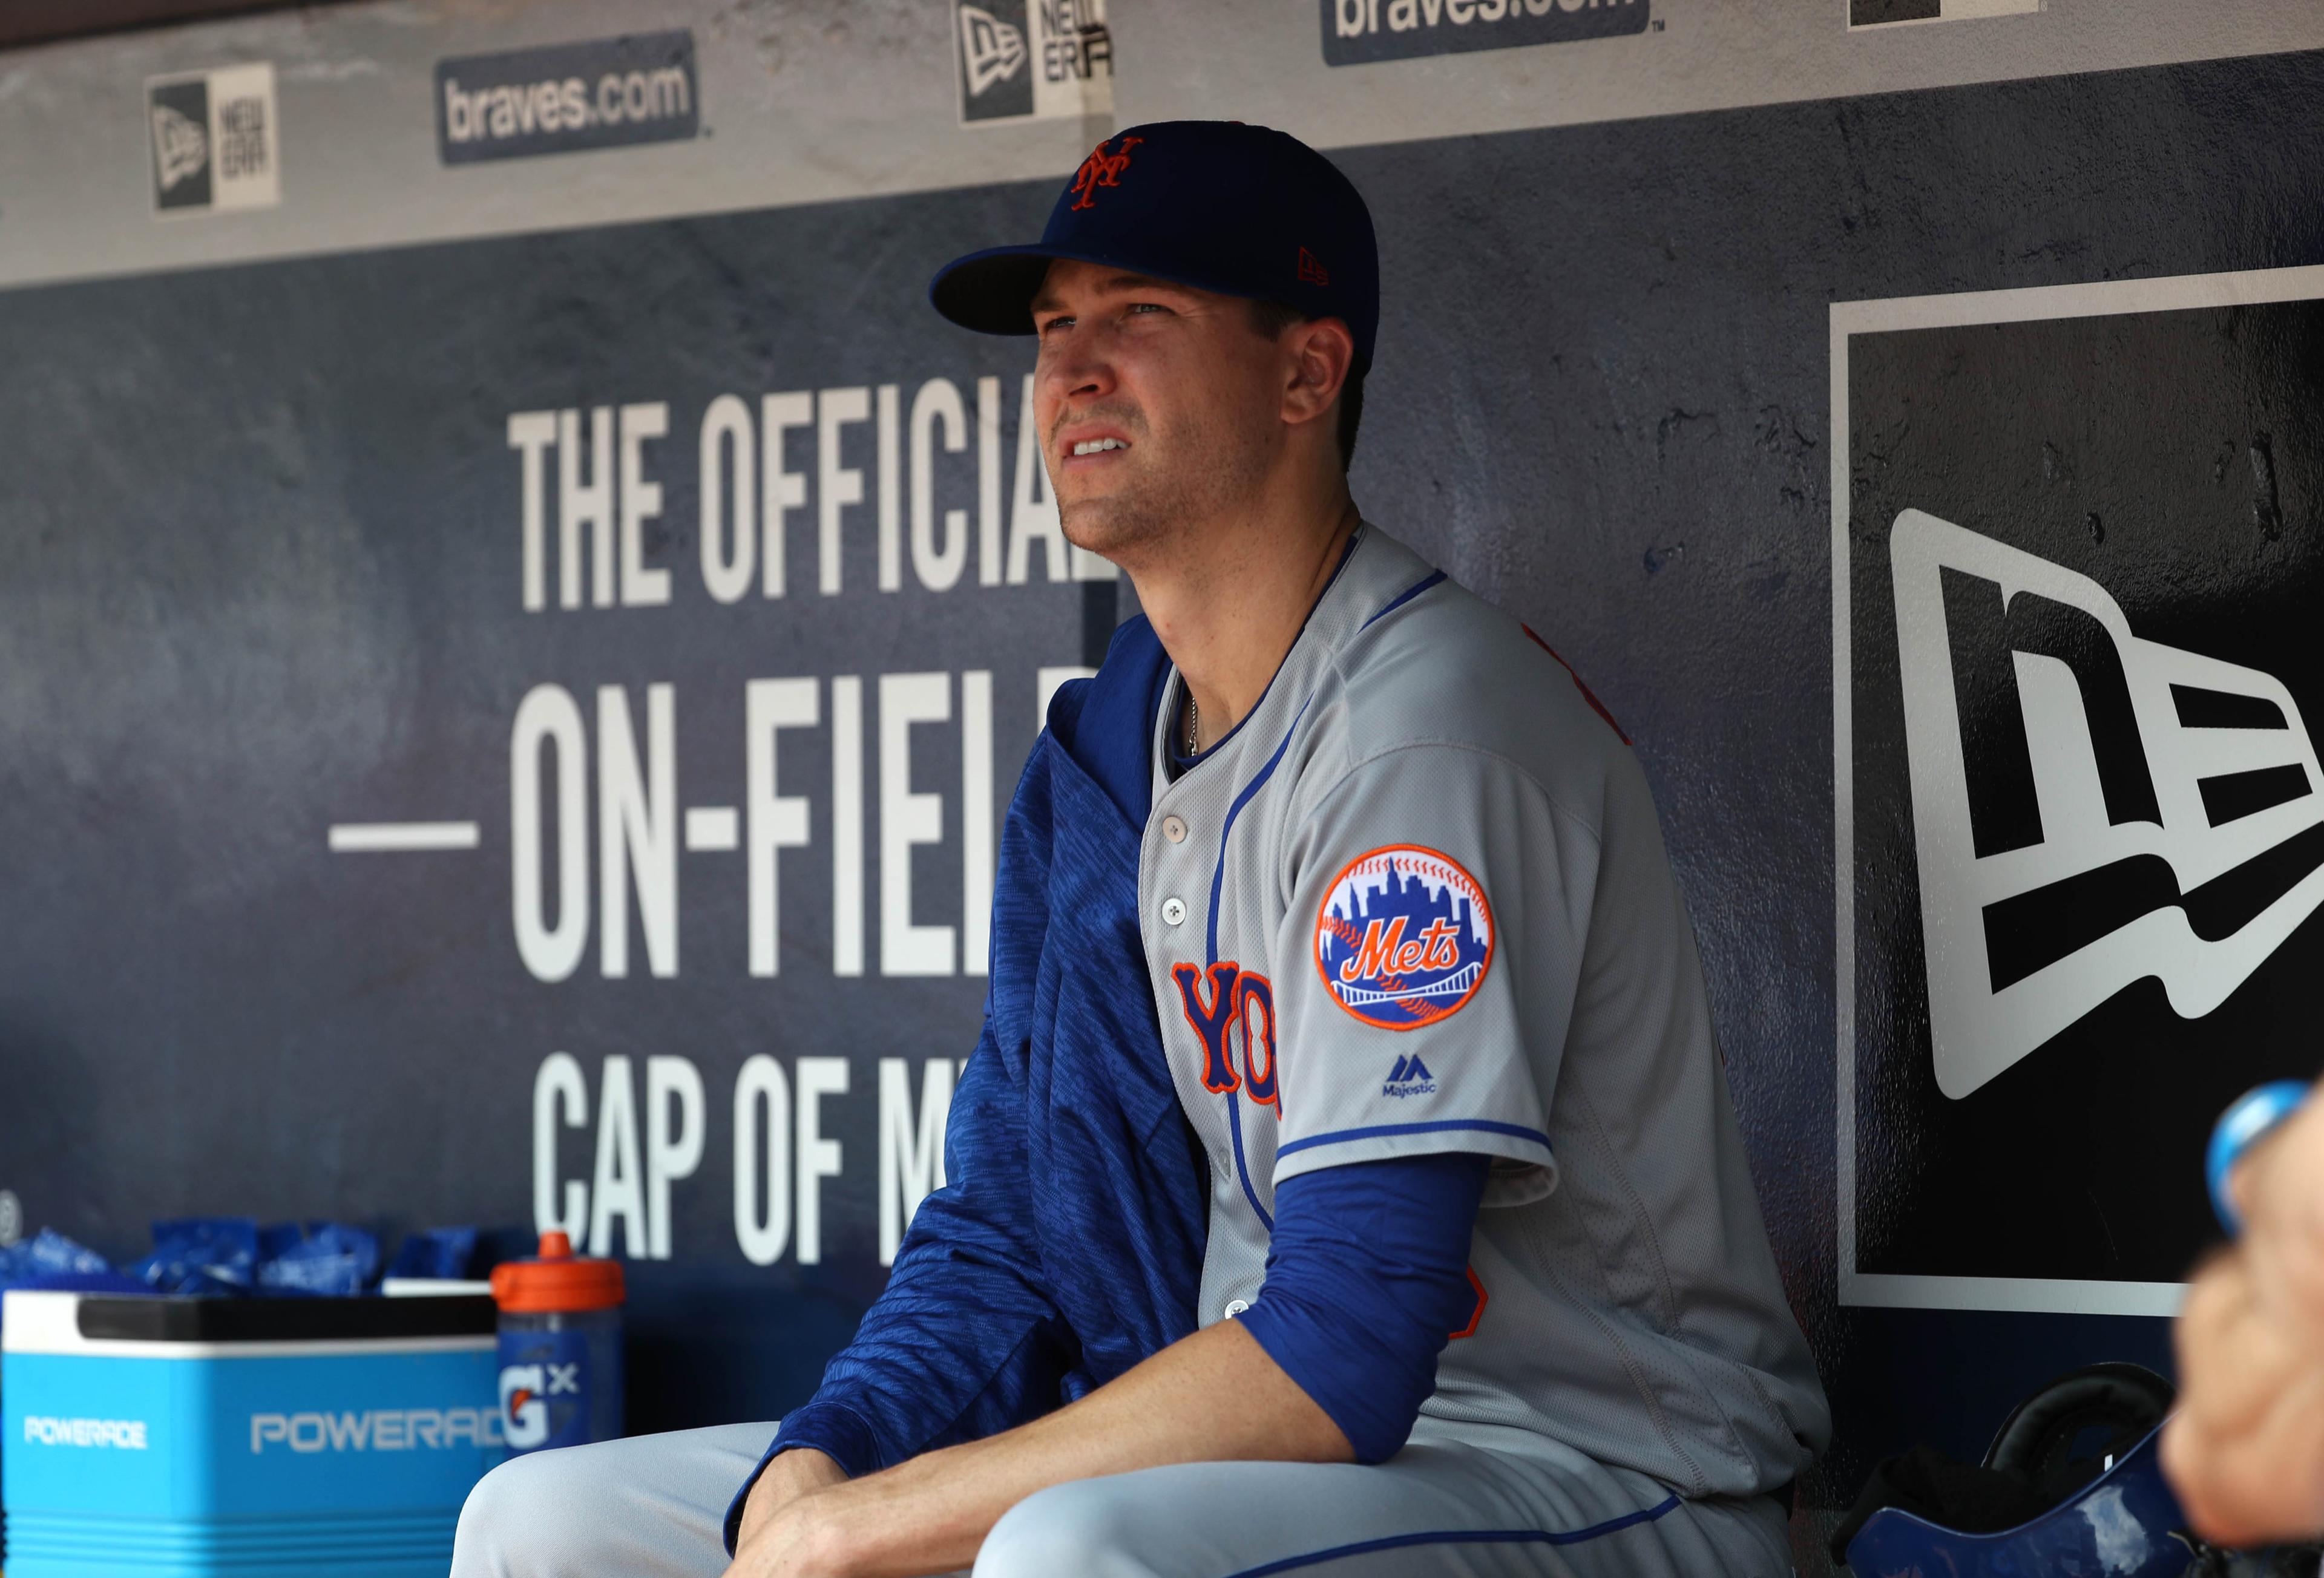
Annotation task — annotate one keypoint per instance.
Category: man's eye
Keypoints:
(1144, 306)
(1057, 323)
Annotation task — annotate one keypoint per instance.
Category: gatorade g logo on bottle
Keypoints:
(560, 1348)
(544, 1390)
(524, 1415)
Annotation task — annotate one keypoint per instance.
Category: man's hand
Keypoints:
(798, 1472)
(794, 1541)
(1213, 1396)
(2246, 1450)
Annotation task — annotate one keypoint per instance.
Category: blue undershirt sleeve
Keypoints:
(1367, 1280)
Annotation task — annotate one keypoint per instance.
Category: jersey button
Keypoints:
(1173, 911)
(1174, 828)
(1234, 1307)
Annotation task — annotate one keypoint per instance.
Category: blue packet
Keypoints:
(325, 1258)
(440, 1254)
(201, 1257)
(231, 1257)
(48, 1255)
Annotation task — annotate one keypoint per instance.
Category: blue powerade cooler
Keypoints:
(242, 1438)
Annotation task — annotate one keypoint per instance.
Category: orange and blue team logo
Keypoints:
(1232, 1010)
(1404, 938)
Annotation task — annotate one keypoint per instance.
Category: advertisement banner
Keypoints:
(2082, 813)
(216, 141)
(566, 98)
(1358, 31)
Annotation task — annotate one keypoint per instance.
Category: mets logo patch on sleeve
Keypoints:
(1404, 938)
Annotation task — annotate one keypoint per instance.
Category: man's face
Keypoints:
(1157, 404)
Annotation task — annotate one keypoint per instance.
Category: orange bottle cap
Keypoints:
(558, 1282)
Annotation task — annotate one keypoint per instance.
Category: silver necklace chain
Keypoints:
(1193, 724)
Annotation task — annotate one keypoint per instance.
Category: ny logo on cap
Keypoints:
(1101, 168)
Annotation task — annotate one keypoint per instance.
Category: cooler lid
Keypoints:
(42, 1322)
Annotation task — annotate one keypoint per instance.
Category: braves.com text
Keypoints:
(567, 104)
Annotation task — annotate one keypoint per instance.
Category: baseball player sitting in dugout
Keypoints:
(1346, 1180)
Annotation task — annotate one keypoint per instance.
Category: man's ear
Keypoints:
(1322, 351)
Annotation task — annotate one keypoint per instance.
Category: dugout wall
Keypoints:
(516, 623)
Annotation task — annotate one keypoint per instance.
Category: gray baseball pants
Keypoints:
(652, 1507)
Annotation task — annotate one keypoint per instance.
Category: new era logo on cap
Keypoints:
(1313, 272)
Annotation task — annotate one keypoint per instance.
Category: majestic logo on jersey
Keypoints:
(1101, 168)
(2090, 808)
(1232, 1010)
(1410, 1077)
(1404, 938)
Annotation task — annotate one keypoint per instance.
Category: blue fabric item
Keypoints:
(325, 1257)
(1066, 1244)
(1367, 1278)
(81, 1282)
(209, 1257)
(47, 1255)
(440, 1254)
(232, 1257)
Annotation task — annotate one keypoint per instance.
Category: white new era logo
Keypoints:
(994, 49)
(2090, 808)
(180, 145)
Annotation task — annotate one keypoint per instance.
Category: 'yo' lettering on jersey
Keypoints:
(1225, 1005)
(1403, 937)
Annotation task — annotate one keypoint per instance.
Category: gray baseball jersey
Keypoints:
(1417, 901)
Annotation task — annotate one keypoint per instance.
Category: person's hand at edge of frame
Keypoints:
(2245, 1449)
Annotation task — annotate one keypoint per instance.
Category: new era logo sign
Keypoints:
(2076, 796)
(992, 50)
(212, 141)
(1037, 59)
(182, 143)
(2090, 808)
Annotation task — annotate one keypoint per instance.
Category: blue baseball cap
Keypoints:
(1239, 209)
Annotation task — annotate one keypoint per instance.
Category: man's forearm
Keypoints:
(1215, 1395)
(788, 1476)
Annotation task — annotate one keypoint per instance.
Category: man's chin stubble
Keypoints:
(1118, 529)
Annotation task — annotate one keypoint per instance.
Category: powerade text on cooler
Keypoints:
(560, 1348)
(227, 1437)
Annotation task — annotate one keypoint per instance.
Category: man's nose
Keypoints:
(1073, 366)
